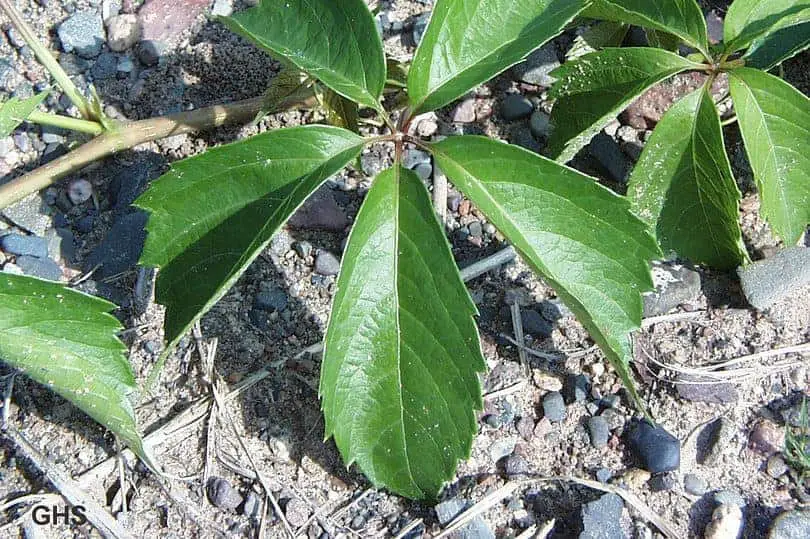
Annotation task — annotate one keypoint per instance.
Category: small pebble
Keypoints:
(576, 387)
(776, 466)
(554, 406)
(17, 244)
(603, 475)
(516, 107)
(303, 248)
(540, 124)
(598, 431)
(150, 51)
(464, 113)
(84, 33)
(695, 485)
(791, 525)
(663, 482)
(222, 494)
(79, 191)
(515, 465)
(252, 505)
(656, 449)
(326, 263)
(767, 438)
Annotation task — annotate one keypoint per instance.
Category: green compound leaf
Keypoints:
(773, 49)
(212, 215)
(749, 20)
(578, 235)
(399, 378)
(66, 341)
(774, 120)
(682, 186)
(682, 18)
(335, 42)
(468, 42)
(592, 90)
(14, 112)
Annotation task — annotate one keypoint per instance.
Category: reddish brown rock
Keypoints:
(767, 438)
(162, 20)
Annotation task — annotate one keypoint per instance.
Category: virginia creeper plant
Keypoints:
(400, 374)
(683, 185)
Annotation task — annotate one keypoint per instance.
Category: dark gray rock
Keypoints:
(271, 299)
(252, 505)
(44, 268)
(17, 244)
(303, 248)
(791, 525)
(538, 66)
(695, 485)
(601, 519)
(540, 124)
(663, 482)
(674, 285)
(105, 66)
(704, 390)
(515, 465)
(326, 263)
(516, 107)
(598, 431)
(534, 323)
(767, 281)
(222, 494)
(29, 213)
(149, 52)
(610, 155)
(120, 248)
(321, 211)
(655, 449)
(84, 33)
(554, 406)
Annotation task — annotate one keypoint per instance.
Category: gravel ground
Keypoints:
(568, 416)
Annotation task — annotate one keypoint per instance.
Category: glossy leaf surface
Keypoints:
(592, 90)
(468, 42)
(399, 378)
(749, 20)
(774, 119)
(578, 235)
(335, 42)
(773, 49)
(683, 186)
(14, 111)
(66, 341)
(211, 215)
(682, 18)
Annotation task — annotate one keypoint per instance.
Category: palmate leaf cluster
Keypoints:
(400, 375)
(682, 185)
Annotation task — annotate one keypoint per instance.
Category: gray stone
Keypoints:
(538, 66)
(17, 244)
(44, 268)
(695, 485)
(776, 467)
(502, 447)
(603, 475)
(601, 518)
(29, 214)
(105, 66)
(540, 124)
(663, 482)
(610, 156)
(222, 8)
(791, 525)
(598, 431)
(554, 406)
(476, 230)
(83, 33)
(321, 211)
(424, 171)
(656, 449)
(149, 52)
(674, 285)
(705, 390)
(121, 247)
(767, 281)
(326, 263)
(515, 465)
(447, 510)
(303, 248)
(252, 505)
(222, 494)
(515, 107)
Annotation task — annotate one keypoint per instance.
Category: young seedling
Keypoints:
(682, 185)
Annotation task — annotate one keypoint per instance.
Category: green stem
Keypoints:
(729, 121)
(66, 122)
(46, 59)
